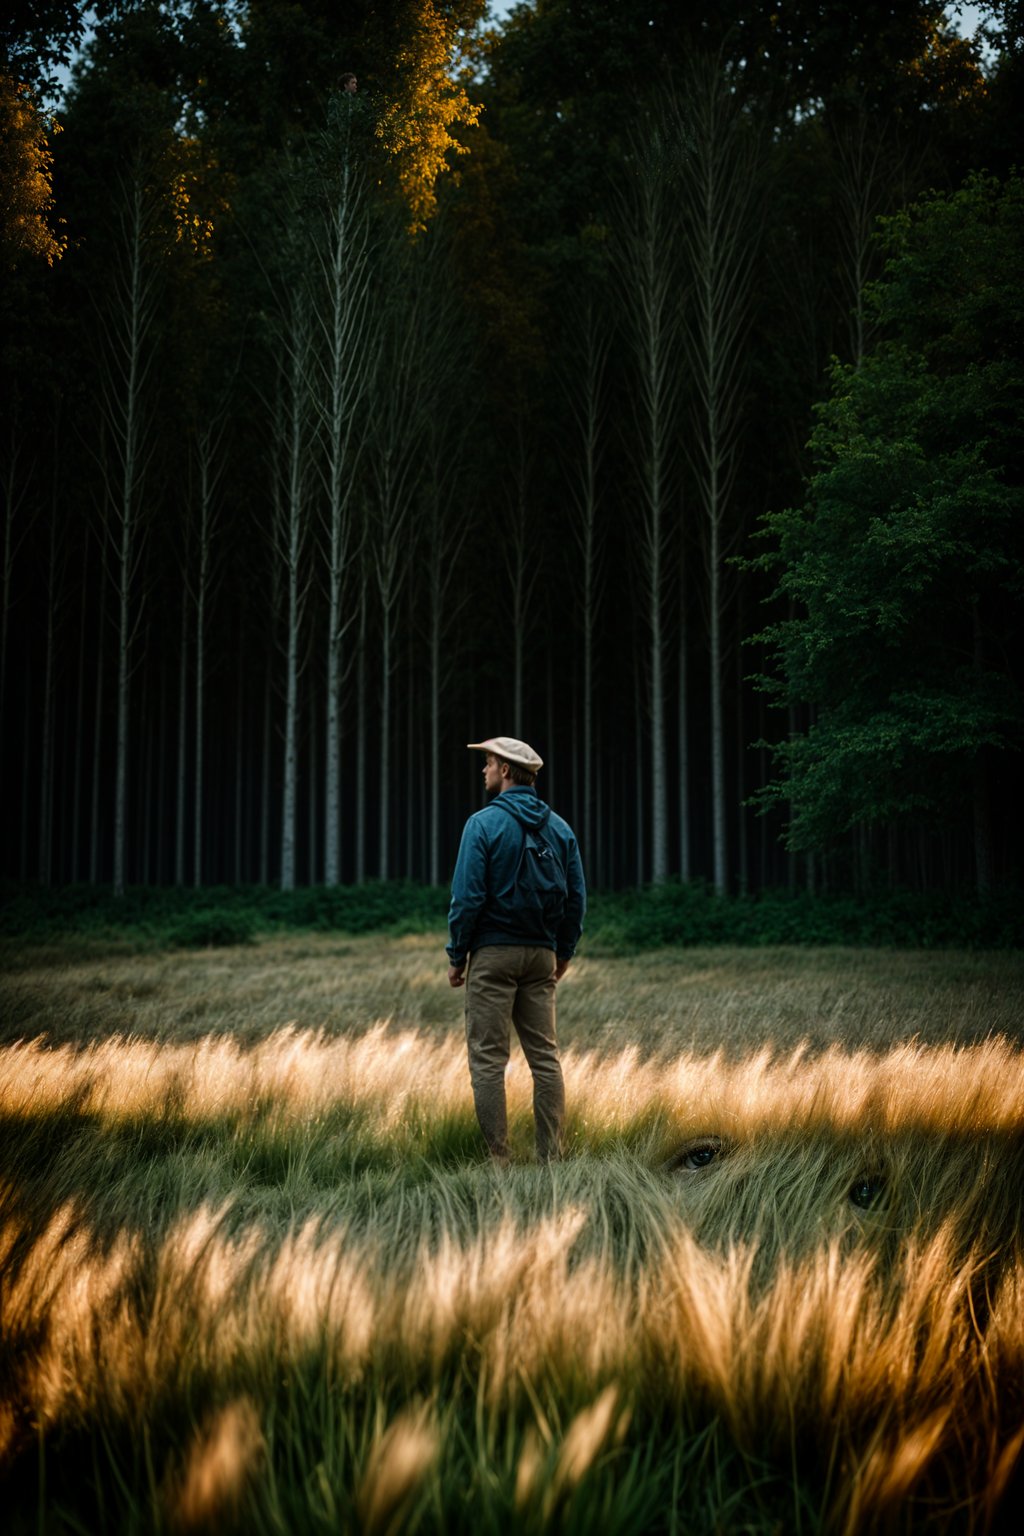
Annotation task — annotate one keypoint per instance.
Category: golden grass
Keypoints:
(255, 1273)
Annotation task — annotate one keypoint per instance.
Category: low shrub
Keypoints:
(692, 914)
(212, 928)
(619, 922)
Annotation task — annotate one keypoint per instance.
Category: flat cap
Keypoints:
(509, 750)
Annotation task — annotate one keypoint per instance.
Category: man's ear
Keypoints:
(506, 771)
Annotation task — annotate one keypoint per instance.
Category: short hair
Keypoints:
(346, 77)
(517, 773)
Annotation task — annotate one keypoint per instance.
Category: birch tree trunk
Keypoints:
(639, 772)
(209, 462)
(648, 271)
(26, 778)
(341, 238)
(46, 786)
(434, 763)
(522, 562)
(741, 764)
(587, 400)
(79, 752)
(239, 758)
(683, 728)
(126, 358)
(720, 184)
(312, 810)
(446, 513)
(181, 782)
(361, 727)
(202, 584)
(395, 446)
(97, 736)
(15, 488)
(983, 841)
(268, 696)
(161, 777)
(387, 565)
(292, 538)
(445, 522)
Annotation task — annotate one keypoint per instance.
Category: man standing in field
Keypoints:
(518, 900)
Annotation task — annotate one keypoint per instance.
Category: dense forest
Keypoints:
(643, 381)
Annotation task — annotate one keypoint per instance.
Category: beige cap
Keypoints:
(509, 750)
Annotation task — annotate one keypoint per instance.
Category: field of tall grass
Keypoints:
(257, 1275)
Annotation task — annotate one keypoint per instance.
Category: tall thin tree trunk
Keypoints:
(764, 874)
(342, 313)
(791, 726)
(590, 419)
(361, 726)
(123, 700)
(639, 755)
(14, 491)
(146, 817)
(411, 776)
(47, 711)
(683, 730)
(79, 752)
(26, 779)
(124, 391)
(97, 736)
(314, 768)
(239, 784)
(384, 780)
(265, 779)
(181, 784)
(161, 778)
(720, 233)
(649, 279)
(717, 725)
(434, 758)
(202, 588)
(291, 708)
(293, 538)
(521, 565)
(601, 851)
(550, 762)
(519, 614)
(741, 767)
(983, 849)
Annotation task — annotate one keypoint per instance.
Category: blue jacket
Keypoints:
(483, 910)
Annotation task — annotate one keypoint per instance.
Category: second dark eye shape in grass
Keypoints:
(696, 1155)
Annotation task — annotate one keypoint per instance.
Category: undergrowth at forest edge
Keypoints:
(617, 922)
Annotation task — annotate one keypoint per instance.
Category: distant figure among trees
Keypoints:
(349, 83)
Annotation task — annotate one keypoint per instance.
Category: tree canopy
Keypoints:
(351, 426)
(904, 565)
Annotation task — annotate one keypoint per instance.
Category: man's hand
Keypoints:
(561, 966)
(457, 975)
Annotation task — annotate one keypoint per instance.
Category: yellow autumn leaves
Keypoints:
(416, 126)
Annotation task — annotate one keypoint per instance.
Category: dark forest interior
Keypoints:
(641, 381)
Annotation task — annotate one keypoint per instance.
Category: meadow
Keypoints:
(258, 1276)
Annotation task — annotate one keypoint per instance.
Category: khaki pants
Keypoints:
(514, 984)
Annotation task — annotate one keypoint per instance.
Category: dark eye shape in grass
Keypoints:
(695, 1155)
(866, 1190)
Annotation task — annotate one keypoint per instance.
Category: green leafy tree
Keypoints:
(38, 38)
(904, 565)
